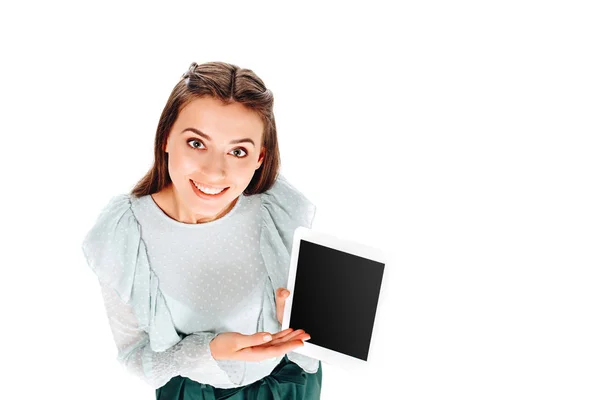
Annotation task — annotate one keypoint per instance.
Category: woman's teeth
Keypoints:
(207, 190)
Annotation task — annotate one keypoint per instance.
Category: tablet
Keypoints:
(335, 286)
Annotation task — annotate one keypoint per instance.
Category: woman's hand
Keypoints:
(236, 346)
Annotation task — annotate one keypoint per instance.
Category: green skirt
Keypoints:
(287, 381)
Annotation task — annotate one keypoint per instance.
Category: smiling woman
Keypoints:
(191, 260)
(207, 178)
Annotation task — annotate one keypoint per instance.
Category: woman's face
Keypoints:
(216, 146)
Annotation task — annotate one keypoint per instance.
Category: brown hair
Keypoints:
(230, 84)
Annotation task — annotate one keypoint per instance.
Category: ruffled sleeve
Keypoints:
(114, 250)
(147, 341)
(283, 209)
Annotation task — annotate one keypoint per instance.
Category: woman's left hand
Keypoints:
(281, 295)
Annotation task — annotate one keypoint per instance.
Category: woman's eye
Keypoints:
(243, 151)
(195, 141)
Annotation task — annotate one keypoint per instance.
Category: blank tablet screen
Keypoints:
(335, 298)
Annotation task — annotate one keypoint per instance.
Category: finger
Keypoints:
(254, 340)
(282, 333)
(275, 338)
(287, 337)
(285, 347)
(281, 297)
(299, 334)
(261, 352)
(279, 310)
(280, 304)
(293, 334)
(282, 293)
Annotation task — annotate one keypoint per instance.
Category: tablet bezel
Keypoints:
(309, 349)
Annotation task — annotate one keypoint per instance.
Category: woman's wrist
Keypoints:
(212, 349)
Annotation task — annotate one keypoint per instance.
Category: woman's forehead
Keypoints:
(219, 120)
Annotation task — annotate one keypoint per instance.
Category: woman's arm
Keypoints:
(192, 353)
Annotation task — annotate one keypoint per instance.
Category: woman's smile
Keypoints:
(210, 194)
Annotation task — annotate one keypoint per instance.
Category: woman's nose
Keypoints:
(213, 166)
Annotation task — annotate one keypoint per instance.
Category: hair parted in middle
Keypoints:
(230, 84)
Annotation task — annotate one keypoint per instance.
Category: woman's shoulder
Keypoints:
(283, 186)
(114, 233)
(118, 203)
(116, 208)
(285, 200)
(285, 207)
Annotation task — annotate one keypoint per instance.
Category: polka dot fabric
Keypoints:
(171, 287)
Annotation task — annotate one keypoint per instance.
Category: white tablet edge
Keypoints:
(376, 254)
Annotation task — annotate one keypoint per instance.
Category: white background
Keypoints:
(462, 137)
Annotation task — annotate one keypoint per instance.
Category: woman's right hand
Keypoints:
(237, 346)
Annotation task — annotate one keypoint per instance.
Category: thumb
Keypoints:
(282, 293)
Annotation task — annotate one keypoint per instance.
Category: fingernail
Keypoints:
(267, 338)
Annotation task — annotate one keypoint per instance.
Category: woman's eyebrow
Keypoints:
(205, 136)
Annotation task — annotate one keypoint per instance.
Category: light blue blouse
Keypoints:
(170, 287)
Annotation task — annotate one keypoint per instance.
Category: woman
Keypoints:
(194, 261)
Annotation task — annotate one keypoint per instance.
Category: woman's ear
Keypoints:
(165, 146)
(261, 157)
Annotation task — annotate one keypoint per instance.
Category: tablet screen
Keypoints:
(335, 298)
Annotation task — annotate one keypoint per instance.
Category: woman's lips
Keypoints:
(209, 186)
(202, 195)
